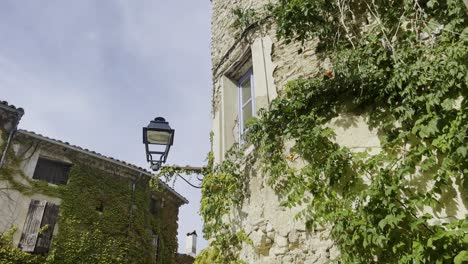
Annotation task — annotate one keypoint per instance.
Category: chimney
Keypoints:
(192, 243)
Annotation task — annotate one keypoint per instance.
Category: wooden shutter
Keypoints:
(32, 225)
(50, 217)
(155, 243)
(40, 214)
(55, 172)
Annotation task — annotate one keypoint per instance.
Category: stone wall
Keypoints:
(276, 236)
(274, 64)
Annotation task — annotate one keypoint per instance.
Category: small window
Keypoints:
(100, 207)
(153, 207)
(246, 100)
(39, 227)
(51, 171)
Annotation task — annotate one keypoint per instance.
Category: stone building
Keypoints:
(250, 66)
(252, 70)
(77, 204)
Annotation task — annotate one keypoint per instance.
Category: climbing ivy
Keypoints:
(223, 188)
(403, 66)
(12, 255)
(101, 220)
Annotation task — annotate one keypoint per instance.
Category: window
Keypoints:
(153, 206)
(100, 207)
(51, 171)
(246, 100)
(39, 227)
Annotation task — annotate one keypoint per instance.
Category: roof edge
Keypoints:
(9, 107)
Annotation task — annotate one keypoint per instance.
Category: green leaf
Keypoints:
(462, 150)
(431, 3)
(461, 258)
(464, 34)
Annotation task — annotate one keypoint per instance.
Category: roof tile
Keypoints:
(12, 107)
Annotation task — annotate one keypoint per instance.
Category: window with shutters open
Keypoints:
(38, 227)
(52, 171)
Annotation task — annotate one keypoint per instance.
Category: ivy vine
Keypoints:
(403, 65)
(100, 220)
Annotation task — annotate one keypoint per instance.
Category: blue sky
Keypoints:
(93, 73)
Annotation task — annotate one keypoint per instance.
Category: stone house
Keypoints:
(249, 68)
(59, 197)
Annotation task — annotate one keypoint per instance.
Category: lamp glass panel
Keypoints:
(158, 137)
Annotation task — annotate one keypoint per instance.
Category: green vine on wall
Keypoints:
(402, 65)
(223, 187)
(100, 220)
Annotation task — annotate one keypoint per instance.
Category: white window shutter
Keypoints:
(32, 225)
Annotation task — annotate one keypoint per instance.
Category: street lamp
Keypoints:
(158, 137)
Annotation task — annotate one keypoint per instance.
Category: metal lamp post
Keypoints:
(158, 138)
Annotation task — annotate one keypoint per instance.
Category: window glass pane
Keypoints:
(246, 90)
(246, 113)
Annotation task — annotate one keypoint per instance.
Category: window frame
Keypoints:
(247, 76)
(39, 177)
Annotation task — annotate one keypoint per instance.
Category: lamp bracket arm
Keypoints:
(189, 183)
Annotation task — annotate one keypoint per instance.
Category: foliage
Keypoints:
(223, 187)
(83, 246)
(213, 254)
(13, 255)
(244, 17)
(403, 65)
(114, 235)
(410, 88)
(101, 219)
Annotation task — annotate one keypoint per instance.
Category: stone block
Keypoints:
(279, 251)
(269, 227)
(258, 239)
(288, 259)
(281, 241)
(293, 236)
(271, 235)
(334, 253)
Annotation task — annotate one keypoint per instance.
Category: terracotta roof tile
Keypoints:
(11, 107)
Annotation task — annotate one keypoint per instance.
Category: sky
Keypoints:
(93, 73)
